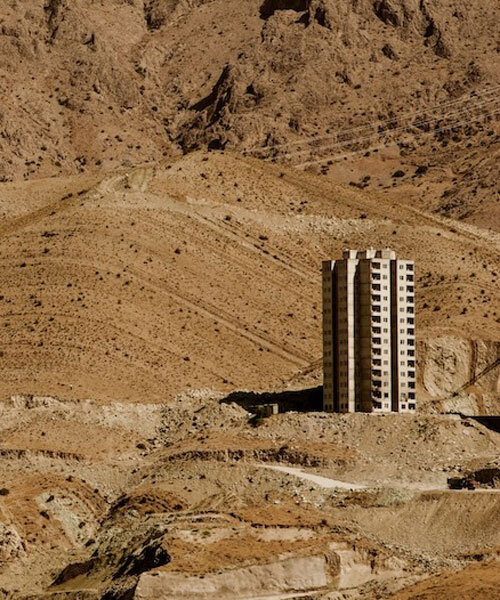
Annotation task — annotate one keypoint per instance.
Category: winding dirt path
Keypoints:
(325, 482)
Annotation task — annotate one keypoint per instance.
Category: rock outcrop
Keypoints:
(460, 375)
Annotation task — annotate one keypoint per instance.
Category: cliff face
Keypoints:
(185, 500)
(460, 375)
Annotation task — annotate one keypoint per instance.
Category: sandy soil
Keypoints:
(478, 581)
(105, 286)
(325, 482)
(221, 493)
(161, 233)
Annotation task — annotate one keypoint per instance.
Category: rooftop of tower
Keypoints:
(370, 253)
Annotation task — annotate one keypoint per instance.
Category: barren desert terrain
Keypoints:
(173, 172)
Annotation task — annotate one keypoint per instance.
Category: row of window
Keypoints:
(379, 373)
(376, 329)
(376, 308)
(376, 341)
(377, 405)
(378, 383)
(375, 319)
(385, 265)
(377, 265)
(379, 319)
(376, 287)
(377, 362)
(378, 298)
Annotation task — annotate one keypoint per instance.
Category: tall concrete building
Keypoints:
(369, 333)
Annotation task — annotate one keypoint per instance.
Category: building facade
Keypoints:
(369, 349)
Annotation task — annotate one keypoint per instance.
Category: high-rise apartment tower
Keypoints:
(369, 361)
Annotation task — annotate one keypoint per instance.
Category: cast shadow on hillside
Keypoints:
(307, 400)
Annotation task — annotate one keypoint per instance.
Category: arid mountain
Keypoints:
(172, 174)
(95, 85)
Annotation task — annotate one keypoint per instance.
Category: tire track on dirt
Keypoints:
(454, 227)
(182, 206)
(247, 264)
(48, 210)
(230, 323)
(65, 203)
(274, 254)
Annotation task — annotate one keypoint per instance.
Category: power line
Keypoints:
(413, 125)
(477, 95)
(470, 98)
(384, 145)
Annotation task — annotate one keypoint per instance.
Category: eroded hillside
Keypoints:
(195, 499)
(172, 173)
(205, 272)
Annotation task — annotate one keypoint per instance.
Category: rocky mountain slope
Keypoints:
(95, 85)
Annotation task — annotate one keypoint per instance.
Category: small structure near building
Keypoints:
(264, 410)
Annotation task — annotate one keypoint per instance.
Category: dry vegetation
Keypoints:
(107, 283)
(80, 95)
(172, 173)
(200, 500)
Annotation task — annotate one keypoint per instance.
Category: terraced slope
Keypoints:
(152, 501)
